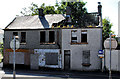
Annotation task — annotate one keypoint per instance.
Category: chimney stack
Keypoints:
(100, 13)
(68, 13)
(99, 8)
(68, 10)
(41, 14)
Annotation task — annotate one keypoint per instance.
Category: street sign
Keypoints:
(17, 44)
(101, 56)
(100, 51)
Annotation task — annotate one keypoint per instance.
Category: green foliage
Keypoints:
(78, 13)
(33, 10)
(61, 9)
(106, 28)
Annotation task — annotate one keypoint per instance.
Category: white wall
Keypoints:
(94, 44)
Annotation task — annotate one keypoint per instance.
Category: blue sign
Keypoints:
(100, 51)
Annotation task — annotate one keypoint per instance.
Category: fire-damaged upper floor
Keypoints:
(45, 29)
(57, 20)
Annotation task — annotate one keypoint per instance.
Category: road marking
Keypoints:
(10, 75)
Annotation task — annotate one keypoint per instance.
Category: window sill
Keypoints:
(22, 43)
(79, 43)
(86, 64)
(48, 43)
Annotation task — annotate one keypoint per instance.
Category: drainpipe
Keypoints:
(100, 25)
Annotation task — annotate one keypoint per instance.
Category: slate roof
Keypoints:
(35, 22)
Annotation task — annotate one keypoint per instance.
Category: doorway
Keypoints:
(67, 59)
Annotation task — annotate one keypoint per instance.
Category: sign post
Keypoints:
(110, 59)
(101, 56)
(101, 53)
(14, 44)
(110, 43)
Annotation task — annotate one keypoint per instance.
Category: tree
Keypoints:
(78, 10)
(33, 10)
(79, 14)
(106, 28)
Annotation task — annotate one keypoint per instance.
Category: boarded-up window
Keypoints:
(51, 58)
(86, 57)
(51, 36)
(84, 36)
(74, 36)
(23, 37)
(42, 37)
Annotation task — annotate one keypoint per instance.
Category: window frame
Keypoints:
(52, 42)
(14, 34)
(42, 42)
(21, 38)
(74, 35)
(84, 32)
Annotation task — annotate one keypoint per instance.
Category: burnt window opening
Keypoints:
(74, 36)
(42, 37)
(15, 33)
(23, 37)
(51, 36)
(84, 36)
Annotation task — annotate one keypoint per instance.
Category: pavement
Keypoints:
(1, 73)
(56, 74)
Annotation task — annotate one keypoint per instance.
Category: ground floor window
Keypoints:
(86, 58)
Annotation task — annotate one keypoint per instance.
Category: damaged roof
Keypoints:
(35, 22)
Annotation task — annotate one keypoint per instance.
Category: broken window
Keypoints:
(51, 36)
(86, 58)
(84, 36)
(74, 36)
(42, 37)
(15, 33)
(23, 37)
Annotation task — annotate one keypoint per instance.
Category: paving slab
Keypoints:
(2, 73)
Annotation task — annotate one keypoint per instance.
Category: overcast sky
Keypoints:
(10, 8)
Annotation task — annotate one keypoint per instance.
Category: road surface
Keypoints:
(53, 74)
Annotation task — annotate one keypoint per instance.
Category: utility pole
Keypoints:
(100, 25)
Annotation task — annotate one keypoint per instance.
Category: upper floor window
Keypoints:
(42, 37)
(23, 37)
(74, 36)
(15, 33)
(51, 36)
(84, 36)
